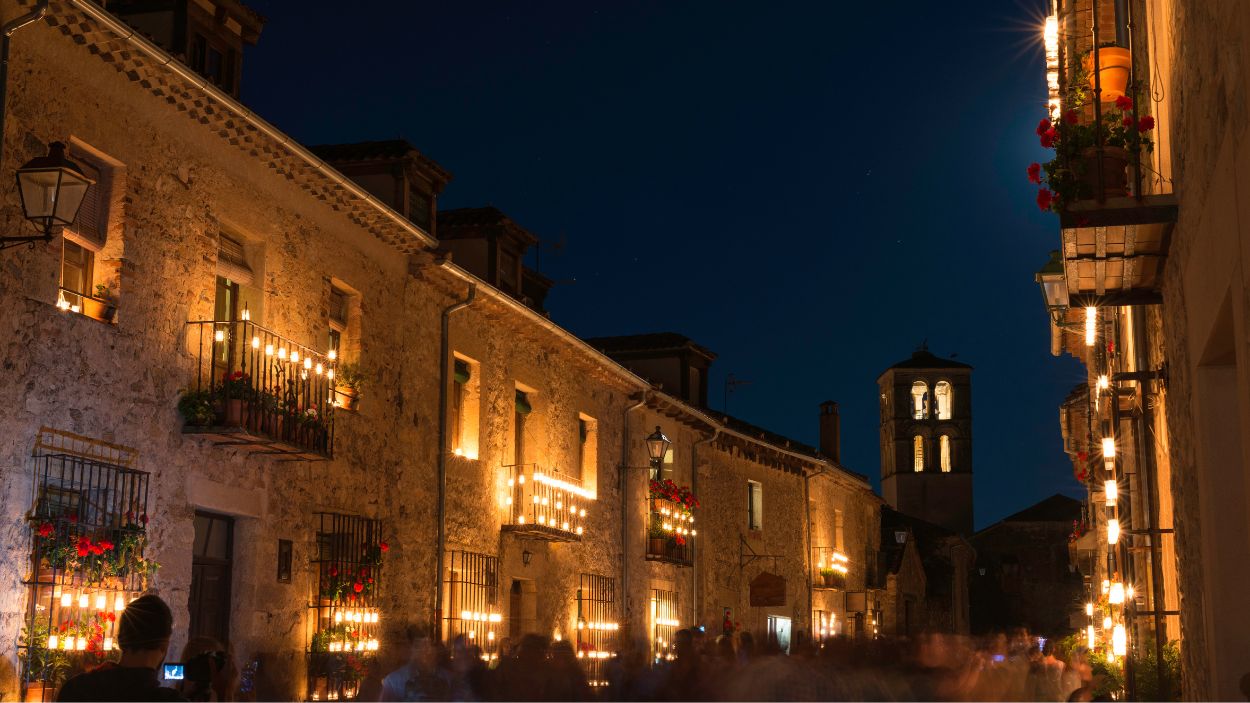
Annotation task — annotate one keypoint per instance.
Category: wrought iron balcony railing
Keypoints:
(254, 387)
(670, 532)
(545, 504)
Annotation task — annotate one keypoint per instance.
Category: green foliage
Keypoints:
(350, 376)
(196, 408)
(52, 666)
(1146, 673)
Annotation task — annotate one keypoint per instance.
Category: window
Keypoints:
(918, 453)
(460, 381)
(508, 265)
(523, 409)
(226, 309)
(419, 208)
(338, 319)
(92, 223)
(588, 450)
(942, 391)
(944, 446)
(919, 400)
(211, 574)
(463, 411)
(755, 505)
(77, 271)
(837, 529)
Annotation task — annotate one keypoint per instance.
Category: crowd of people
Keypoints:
(737, 667)
(700, 667)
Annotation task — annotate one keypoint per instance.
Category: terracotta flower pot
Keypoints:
(1114, 182)
(37, 692)
(97, 309)
(234, 413)
(657, 546)
(1114, 63)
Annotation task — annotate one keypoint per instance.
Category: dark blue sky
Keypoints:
(808, 189)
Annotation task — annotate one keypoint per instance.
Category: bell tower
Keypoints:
(926, 439)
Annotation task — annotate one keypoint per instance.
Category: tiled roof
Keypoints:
(651, 342)
(1057, 508)
(375, 151)
(467, 221)
(924, 359)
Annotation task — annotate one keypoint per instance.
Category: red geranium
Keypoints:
(73, 517)
(1127, 121)
(1035, 173)
(334, 570)
(358, 587)
(679, 541)
(369, 580)
(1071, 117)
(1045, 199)
(143, 518)
(1124, 102)
(1146, 123)
(45, 529)
(1043, 127)
(106, 545)
(1049, 137)
(384, 546)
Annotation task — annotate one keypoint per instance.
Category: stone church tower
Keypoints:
(926, 439)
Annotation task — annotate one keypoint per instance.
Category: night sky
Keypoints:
(810, 189)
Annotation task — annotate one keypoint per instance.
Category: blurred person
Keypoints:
(209, 673)
(524, 676)
(143, 633)
(567, 681)
(421, 679)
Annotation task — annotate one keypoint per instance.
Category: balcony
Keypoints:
(670, 532)
(545, 505)
(255, 388)
(831, 569)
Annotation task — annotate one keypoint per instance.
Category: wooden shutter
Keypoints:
(232, 261)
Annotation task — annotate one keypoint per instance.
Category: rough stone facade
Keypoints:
(186, 167)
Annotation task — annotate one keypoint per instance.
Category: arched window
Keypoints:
(919, 400)
(945, 450)
(942, 391)
(918, 453)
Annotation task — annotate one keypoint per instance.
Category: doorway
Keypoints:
(211, 573)
(522, 608)
(779, 629)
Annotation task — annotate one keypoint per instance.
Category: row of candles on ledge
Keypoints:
(369, 645)
(358, 616)
(678, 522)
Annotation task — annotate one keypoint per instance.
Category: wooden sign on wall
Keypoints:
(768, 590)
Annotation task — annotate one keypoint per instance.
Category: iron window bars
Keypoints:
(545, 505)
(472, 598)
(664, 625)
(596, 626)
(266, 390)
(670, 532)
(344, 613)
(88, 535)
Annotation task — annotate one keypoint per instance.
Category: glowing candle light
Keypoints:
(1089, 636)
(268, 350)
(1108, 448)
(1106, 622)
(120, 603)
(1117, 593)
(1113, 532)
(52, 641)
(101, 602)
(1119, 641)
(281, 352)
(332, 355)
(84, 601)
(1110, 491)
(1091, 326)
(256, 342)
(294, 357)
(66, 600)
(1089, 609)
(307, 362)
(219, 335)
(80, 644)
(108, 644)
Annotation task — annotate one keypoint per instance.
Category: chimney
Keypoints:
(830, 431)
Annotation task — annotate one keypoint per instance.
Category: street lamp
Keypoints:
(52, 189)
(657, 447)
(1054, 286)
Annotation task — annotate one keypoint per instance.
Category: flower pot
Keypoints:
(1114, 63)
(346, 397)
(96, 309)
(1114, 172)
(233, 416)
(37, 692)
(657, 546)
(827, 580)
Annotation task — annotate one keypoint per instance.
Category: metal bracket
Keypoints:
(7, 242)
(744, 558)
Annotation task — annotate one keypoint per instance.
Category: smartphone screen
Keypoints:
(173, 672)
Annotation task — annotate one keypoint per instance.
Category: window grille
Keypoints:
(597, 627)
(471, 595)
(344, 611)
(664, 624)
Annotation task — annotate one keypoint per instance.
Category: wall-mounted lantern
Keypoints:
(657, 447)
(52, 189)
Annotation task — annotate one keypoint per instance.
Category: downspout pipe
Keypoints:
(36, 14)
(444, 378)
(624, 481)
(694, 488)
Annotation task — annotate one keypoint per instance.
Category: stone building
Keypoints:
(1148, 290)
(925, 575)
(1030, 578)
(334, 415)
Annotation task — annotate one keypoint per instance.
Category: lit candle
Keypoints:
(1089, 609)
(219, 335)
(84, 600)
(119, 604)
(101, 602)
(268, 350)
(1119, 641)
(294, 357)
(108, 644)
(1110, 491)
(52, 641)
(66, 600)
(332, 355)
(256, 342)
(1113, 532)
(80, 644)
(1091, 326)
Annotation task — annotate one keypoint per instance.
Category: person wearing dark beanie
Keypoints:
(143, 633)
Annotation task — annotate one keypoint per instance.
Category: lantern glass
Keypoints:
(657, 445)
(52, 189)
